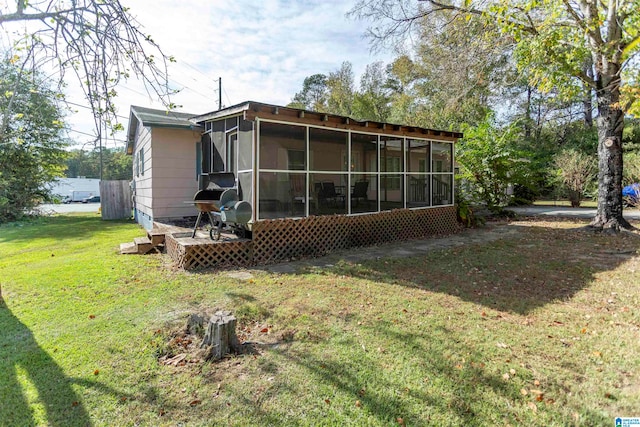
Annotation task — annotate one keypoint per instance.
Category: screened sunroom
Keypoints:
(292, 163)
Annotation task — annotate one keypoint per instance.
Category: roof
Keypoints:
(150, 117)
(252, 110)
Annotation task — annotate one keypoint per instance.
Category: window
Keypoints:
(141, 157)
(296, 160)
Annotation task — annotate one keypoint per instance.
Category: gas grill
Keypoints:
(218, 199)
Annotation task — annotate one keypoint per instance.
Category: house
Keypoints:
(163, 145)
(298, 167)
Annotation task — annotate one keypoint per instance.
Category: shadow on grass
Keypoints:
(50, 394)
(23, 356)
(57, 227)
(535, 267)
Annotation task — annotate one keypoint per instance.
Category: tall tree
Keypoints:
(32, 148)
(97, 41)
(340, 88)
(554, 40)
(373, 100)
(313, 95)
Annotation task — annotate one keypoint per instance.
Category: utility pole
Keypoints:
(219, 93)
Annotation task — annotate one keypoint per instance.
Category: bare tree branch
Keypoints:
(99, 42)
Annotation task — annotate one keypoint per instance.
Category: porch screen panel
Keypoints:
(245, 143)
(282, 146)
(442, 189)
(218, 146)
(418, 180)
(418, 190)
(327, 193)
(442, 157)
(364, 193)
(328, 150)
(245, 185)
(391, 176)
(282, 194)
(364, 153)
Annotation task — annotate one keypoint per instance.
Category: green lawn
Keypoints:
(539, 329)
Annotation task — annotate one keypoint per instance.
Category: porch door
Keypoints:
(232, 149)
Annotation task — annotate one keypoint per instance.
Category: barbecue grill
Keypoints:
(218, 199)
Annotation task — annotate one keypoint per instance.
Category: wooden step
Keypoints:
(143, 244)
(156, 236)
(128, 248)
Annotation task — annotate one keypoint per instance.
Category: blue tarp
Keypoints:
(632, 191)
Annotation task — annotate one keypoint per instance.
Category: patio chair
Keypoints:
(297, 193)
(326, 193)
(359, 192)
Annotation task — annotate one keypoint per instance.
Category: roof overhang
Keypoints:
(157, 119)
(255, 110)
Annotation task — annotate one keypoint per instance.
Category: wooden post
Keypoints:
(220, 335)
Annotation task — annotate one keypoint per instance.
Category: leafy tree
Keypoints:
(491, 163)
(97, 41)
(574, 172)
(116, 164)
(32, 148)
(313, 95)
(340, 90)
(565, 46)
(373, 99)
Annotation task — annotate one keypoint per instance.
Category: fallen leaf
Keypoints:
(540, 397)
(501, 345)
(358, 404)
(327, 401)
(96, 372)
(195, 402)
(400, 421)
(533, 407)
(505, 376)
(362, 392)
(75, 403)
(583, 330)
(550, 401)
(92, 316)
(264, 330)
(597, 354)
(512, 371)
(161, 412)
(523, 391)
(536, 383)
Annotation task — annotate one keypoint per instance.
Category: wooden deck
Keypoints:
(284, 239)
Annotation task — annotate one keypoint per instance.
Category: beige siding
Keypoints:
(174, 172)
(143, 189)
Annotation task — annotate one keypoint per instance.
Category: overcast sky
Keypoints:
(262, 50)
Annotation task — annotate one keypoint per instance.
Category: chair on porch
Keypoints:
(327, 195)
(297, 194)
(359, 192)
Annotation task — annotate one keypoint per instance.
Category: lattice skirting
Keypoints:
(283, 239)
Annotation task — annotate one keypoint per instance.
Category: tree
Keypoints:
(32, 148)
(492, 163)
(116, 164)
(554, 40)
(313, 95)
(373, 100)
(574, 171)
(97, 41)
(340, 90)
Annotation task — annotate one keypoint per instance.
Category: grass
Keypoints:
(566, 203)
(539, 328)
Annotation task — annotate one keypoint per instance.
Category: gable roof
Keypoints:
(150, 117)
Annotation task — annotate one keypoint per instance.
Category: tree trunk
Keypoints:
(610, 122)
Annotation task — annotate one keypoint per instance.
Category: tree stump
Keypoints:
(220, 335)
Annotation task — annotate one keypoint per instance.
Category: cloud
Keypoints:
(262, 50)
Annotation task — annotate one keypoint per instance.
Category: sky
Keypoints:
(261, 49)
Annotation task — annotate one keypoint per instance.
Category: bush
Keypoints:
(574, 173)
